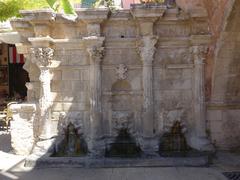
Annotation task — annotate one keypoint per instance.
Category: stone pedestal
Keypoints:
(22, 128)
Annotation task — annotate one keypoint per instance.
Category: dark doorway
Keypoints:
(17, 75)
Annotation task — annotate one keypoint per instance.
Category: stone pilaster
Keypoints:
(43, 58)
(95, 146)
(94, 46)
(148, 141)
(147, 50)
(199, 140)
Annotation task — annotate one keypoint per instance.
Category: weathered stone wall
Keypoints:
(224, 102)
(141, 69)
(221, 70)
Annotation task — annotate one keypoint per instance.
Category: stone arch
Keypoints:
(121, 106)
(224, 109)
(123, 142)
(226, 71)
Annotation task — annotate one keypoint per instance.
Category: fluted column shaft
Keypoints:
(199, 139)
(199, 91)
(147, 51)
(96, 55)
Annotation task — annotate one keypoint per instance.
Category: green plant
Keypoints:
(107, 3)
(10, 8)
(66, 5)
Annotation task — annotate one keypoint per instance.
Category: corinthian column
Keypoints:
(147, 50)
(43, 58)
(96, 54)
(199, 140)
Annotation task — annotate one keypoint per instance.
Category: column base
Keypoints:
(96, 148)
(149, 146)
(44, 147)
(200, 144)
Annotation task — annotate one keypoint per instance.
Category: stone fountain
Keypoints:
(129, 74)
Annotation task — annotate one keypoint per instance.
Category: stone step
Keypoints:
(87, 162)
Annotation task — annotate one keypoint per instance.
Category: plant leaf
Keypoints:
(67, 7)
(51, 3)
(54, 4)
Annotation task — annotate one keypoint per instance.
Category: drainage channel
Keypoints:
(232, 175)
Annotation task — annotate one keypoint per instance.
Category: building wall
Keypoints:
(3, 70)
(221, 70)
(120, 70)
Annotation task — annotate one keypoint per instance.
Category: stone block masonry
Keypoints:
(139, 69)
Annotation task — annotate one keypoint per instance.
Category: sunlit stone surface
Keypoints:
(139, 70)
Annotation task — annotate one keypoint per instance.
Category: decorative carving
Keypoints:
(96, 54)
(65, 120)
(171, 117)
(199, 54)
(147, 48)
(121, 71)
(42, 56)
(122, 120)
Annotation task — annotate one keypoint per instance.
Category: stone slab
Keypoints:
(87, 162)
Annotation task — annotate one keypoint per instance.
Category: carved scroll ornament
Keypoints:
(96, 54)
(147, 48)
(42, 56)
(199, 54)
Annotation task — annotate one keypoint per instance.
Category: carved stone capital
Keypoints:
(42, 56)
(96, 54)
(147, 49)
(199, 54)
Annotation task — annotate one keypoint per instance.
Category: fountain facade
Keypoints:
(127, 76)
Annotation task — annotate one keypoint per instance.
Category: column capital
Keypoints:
(96, 54)
(42, 56)
(199, 54)
(146, 48)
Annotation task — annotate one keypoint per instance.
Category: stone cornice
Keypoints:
(145, 11)
(201, 39)
(41, 23)
(93, 41)
(40, 41)
(92, 15)
(38, 15)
